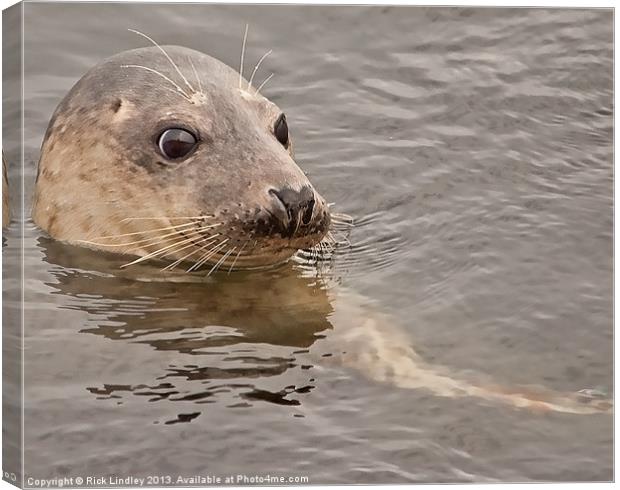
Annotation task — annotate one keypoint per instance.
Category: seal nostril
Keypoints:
(307, 216)
(294, 207)
(278, 196)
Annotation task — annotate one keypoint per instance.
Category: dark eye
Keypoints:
(280, 129)
(176, 143)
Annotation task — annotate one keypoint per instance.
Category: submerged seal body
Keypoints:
(166, 152)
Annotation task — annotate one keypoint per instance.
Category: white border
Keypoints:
(480, 3)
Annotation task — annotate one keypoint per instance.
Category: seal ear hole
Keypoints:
(116, 105)
(280, 130)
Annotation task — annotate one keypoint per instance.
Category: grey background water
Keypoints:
(475, 148)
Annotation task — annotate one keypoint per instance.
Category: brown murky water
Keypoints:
(474, 147)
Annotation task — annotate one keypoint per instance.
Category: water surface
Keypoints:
(474, 147)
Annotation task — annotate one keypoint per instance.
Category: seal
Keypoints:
(167, 153)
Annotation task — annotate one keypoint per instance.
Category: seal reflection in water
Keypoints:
(167, 153)
(242, 338)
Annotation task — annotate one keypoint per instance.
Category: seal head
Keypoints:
(167, 153)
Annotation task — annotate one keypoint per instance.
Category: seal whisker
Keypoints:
(145, 231)
(195, 234)
(143, 241)
(260, 87)
(324, 251)
(146, 242)
(185, 95)
(339, 241)
(298, 222)
(257, 66)
(342, 216)
(166, 55)
(160, 251)
(343, 224)
(342, 221)
(205, 256)
(159, 240)
(170, 217)
(219, 262)
(196, 75)
(245, 37)
(184, 247)
(208, 255)
(209, 241)
(237, 257)
(341, 227)
(173, 91)
(153, 240)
